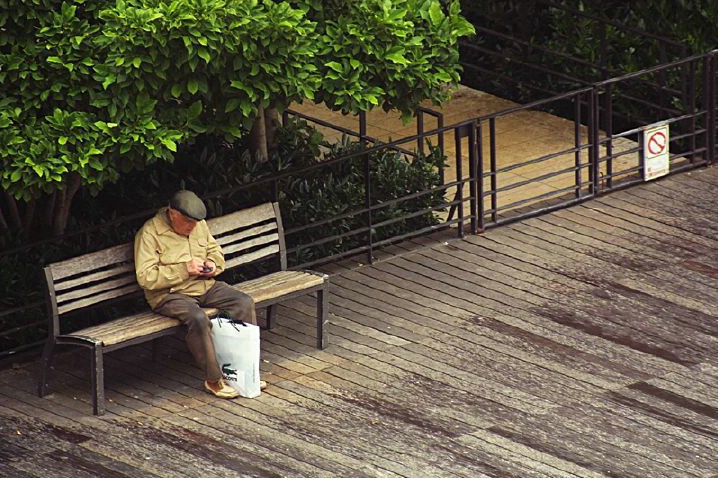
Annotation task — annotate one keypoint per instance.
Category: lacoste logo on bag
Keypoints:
(229, 373)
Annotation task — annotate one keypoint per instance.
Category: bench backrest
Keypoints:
(250, 235)
(245, 236)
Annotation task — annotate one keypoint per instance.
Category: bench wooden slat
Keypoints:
(126, 328)
(130, 327)
(98, 298)
(96, 288)
(250, 257)
(80, 265)
(233, 248)
(279, 284)
(268, 230)
(242, 218)
(96, 276)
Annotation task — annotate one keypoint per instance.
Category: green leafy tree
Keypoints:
(92, 90)
(60, 127)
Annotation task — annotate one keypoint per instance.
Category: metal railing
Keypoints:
(601, 156)
(483, 183)
(493, 185)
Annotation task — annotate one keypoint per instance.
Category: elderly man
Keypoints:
(176, 260)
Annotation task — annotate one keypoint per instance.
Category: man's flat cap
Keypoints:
(189, 205)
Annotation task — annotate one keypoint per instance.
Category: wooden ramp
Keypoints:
(581, 344)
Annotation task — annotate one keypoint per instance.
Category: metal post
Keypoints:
(473, 176)
(608, 128)
(480, 176)
(367, 204)
(710, 90)
(593, 134)
(362, 127)
(577, 143)
(420, 131)
(492, 162)
(459, 134)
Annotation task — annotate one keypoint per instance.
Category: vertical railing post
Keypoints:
(577, 143)
(367, 205)
(480, 176)
(420, 131)
(362, 128)
(493, 167)
(710, 91)
(688, 82)
(593, 135)
(608, 128)
(473, 177)
(459, 134)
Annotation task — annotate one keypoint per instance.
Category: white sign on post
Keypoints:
(656, 154)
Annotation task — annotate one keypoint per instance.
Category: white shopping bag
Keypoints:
(236, 345)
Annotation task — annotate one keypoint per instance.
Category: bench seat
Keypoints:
(124, 329)
(267, 289)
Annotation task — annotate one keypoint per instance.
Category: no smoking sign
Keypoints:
(656, 155)
(656, 144)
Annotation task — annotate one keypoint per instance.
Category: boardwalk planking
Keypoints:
(575, 344)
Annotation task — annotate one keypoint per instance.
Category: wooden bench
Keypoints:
(76, 284)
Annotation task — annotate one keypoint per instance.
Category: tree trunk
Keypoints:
(263, 132)
(12, 209)
(258, 137)
(48, 215)
(63, 204)
(29, 217)
(3, 223)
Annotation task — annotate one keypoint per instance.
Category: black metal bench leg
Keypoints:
(271, 316)
(45, 362)
(155, 350)
(97, 374)
(322, 320)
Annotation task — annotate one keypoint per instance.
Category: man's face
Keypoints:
(180, 223)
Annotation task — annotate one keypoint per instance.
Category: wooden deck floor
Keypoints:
(578, 344)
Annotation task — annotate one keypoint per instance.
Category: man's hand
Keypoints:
(195, 267)
(209, 268)
(198, 267)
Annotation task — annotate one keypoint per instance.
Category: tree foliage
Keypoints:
(395, 54)
(95, 89)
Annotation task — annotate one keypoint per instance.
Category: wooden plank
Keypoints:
(242, 218)
(230, 248)
(97, 273)
(96, 299)
(127, 328)
(81, 264)
(278, 284)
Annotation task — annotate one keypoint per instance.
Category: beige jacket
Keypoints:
(161, 256)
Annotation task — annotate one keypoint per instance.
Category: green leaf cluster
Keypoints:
(57, 118)
(208, 64)
(92, 90)
(393, 54)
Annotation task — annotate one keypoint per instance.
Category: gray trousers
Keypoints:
(188, 310)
